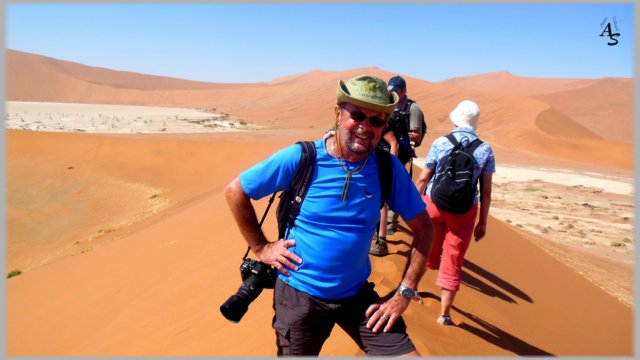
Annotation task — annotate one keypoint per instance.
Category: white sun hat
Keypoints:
(466, 114)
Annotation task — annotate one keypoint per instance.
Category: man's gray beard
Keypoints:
(358, 148)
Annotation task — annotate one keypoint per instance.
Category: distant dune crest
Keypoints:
(511, 105)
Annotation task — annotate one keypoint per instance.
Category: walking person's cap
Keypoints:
(397, 83)
(367, 91)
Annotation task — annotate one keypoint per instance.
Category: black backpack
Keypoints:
(424, 132)
(406, 114)
(291, 199)
(453, 189)
(399, 124)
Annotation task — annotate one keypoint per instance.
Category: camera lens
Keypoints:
(234, 308)
(237, 305)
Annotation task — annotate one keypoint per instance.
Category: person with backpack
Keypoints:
(405, 131)
(323, 262)
(449, 184)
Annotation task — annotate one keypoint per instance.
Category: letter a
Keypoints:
(607, 29)
(611, 36)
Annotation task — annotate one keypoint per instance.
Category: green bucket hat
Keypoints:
(367, 91)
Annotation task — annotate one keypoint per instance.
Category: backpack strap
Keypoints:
(385, 174)
(406, 109)
(474, 144)
(453, 140)
(407, 105)
(470, 148)
(301, 180)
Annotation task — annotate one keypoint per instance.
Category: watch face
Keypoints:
(406, 293)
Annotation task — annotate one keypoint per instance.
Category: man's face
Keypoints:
(401, 94)
(360, 129)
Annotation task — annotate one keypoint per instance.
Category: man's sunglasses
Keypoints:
(359, 116)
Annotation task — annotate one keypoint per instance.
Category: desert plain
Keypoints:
(123, 244)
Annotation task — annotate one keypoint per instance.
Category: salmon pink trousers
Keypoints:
(452, 235)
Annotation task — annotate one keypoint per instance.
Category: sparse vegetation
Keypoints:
(154, 196)
(532, 189)
(617, 244)
(13, 273)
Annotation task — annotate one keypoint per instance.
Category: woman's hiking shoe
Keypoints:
(445, 320)
(379, 248)
(392, 228)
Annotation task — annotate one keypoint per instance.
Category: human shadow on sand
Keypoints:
(475, 283)
(493, 334)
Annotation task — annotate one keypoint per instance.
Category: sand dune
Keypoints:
(505, 82)
(156, 290)
(127, 246)
(304, 101)
(154, 287)
(601, 105)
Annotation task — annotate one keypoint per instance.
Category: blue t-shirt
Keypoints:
(484, 161)
(332, 237)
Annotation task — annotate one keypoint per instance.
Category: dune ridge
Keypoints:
(301, 102)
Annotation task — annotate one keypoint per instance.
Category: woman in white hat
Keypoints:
(453, 226)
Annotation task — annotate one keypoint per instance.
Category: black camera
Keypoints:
(256, 276)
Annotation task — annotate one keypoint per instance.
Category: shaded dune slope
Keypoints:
(603, 107)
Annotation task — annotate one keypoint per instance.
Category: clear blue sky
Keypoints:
(259, 42)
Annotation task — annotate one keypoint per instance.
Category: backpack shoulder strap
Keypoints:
(385, 174)
(473, 145)
(302, 176)
(407, 105)
(453, 140)
(299, 184)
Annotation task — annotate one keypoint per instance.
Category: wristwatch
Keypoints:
(408, 293)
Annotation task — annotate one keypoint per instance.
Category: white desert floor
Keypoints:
(115, 119)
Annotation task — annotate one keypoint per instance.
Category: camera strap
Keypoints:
(264, 216)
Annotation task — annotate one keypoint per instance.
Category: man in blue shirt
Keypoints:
(323, 265)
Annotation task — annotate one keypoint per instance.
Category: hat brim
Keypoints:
(456, 119)
(343, 96)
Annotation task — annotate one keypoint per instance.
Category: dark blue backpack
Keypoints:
(453, 189)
